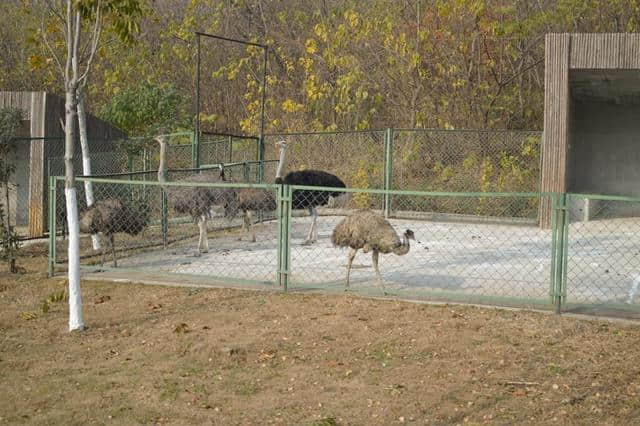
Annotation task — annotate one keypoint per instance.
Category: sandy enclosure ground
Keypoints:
(160, 355)
(510, 264)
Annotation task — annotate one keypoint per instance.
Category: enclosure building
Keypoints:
(591, 119)
(42, 139)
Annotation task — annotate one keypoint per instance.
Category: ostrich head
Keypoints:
(404, 246)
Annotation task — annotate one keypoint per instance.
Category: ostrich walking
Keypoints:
(249, 200)
(194, 201)
(110, 216)
(370, 232)
(308, 199)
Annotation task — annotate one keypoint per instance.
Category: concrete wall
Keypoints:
(604, 153)
(44, 111)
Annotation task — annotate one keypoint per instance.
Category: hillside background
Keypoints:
(333, 64)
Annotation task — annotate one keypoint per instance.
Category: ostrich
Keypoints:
(308, 199)
(194, 201)
(110, 216)
(248, 200)
(370, 232)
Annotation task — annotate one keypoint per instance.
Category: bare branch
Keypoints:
(95, 39)
(49, 47)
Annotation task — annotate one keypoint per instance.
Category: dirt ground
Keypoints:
(165, 355)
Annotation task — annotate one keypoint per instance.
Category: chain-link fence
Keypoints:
(602, 254)
(427, 160)
(587, 262)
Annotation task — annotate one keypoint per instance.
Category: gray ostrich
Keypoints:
(194, 201)
(368, 231)
(110, 216)
(249, 200)
(254, 199)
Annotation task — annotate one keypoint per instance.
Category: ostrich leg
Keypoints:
(249, 219)
(103, 256)
(352, 255)
(310, 237)
(315, 224)
(113, 251)
(203, 242)
(374, 257)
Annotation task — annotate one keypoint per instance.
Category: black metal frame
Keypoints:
(264, 86)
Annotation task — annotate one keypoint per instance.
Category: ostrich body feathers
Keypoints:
(197, 201)
(303, 199)
(112, 215)
(366, 230)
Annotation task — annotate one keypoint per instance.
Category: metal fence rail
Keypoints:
(588, 262)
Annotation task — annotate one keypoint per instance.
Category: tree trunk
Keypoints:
(86, 161)
(75, 296)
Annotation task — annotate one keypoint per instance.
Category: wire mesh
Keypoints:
(355, 157)
(156, 229)
(221, 148)
(466, 161)
(603, 255)
(472, 258)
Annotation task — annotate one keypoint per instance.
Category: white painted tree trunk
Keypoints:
(86, 162)
(75, 296)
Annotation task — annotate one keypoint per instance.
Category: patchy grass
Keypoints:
(176, 356)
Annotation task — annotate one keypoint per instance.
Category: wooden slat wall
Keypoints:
(556, 119)
(20, 100)
(605, 51)
(564, 52)
(37, 186)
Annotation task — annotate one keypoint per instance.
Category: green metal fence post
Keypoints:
(145, 167)
(289, 197)
(388, 170)
(566, 202)
(261, 153)
(284, 232)
(560, 227)
(245, 170)
(195, 148)
(165, 219)
(52, 225)
(230, 149)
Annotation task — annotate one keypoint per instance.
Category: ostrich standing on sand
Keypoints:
(308, 199)
(370, 232)
(194, 201)
(111, 216)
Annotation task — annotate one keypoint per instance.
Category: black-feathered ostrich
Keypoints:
(308, 199)
(112, 215)
(368, 231)
(194, 200)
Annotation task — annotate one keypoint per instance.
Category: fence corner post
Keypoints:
(261, 153)
(388, 170)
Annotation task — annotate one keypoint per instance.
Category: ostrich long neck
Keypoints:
(162, 167)
(281, 162)
(404, 247)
